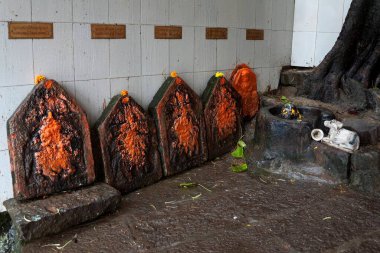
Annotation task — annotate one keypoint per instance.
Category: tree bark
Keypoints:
(353, 64)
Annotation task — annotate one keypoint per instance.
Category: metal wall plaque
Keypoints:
(106, 31)
(254, 34)
(168, 32)
(216, 33)
(30, 30)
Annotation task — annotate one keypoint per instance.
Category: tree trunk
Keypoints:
(353, 64)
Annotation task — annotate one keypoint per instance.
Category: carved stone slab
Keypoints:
(49, 143)
(243, 79)
(128, 143)
(177, 110)
(222, 112)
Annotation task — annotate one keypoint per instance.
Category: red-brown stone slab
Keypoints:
(243, 79)
(128, 145)
(177, 110)
(222, 113)
(49, 143)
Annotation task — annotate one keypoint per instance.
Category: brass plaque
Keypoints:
(30, 30)
(168, 32)
(254, 34)
(102, 31)
(217, 33)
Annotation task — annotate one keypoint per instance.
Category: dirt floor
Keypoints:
(229, 212)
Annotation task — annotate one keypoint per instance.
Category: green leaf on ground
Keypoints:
(240, 168)
(187, 185)
(238, 152)
(241, 143)
(285, 100)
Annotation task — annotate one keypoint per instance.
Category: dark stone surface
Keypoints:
(367, 129)
(374, 99)
(128, 143)
(49, 143)
(240, 213)
(334, 160)
(38, 218)
(365, 169)
(294, 77)
(276, 137)
(222, 114)
(178, 113)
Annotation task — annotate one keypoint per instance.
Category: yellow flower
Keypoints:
(124, 93)
(173, 74)
(39, 78)
(219, 74)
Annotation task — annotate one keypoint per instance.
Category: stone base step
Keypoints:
(41, 217)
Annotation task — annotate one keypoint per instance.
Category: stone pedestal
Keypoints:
(178, 113)
(222, 113)
(38, 218)
(49, 143)
(127, 141)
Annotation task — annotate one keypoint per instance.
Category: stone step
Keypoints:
(41, 217)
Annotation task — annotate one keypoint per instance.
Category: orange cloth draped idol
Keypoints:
(243, 79)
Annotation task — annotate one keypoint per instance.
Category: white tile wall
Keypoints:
(245, 48)
(181, 12)
(16, 59)
(330, 15)
(155, 12)
(226, 51)
(205, 13)
(90, 11)
(182, 51)
(6, 189)
(125, 11)
(91, 56)
(93, 96)
(155, 53)
(125, 55)
(94, 70)
(11, 10)
(54, 58)
(324, 42)
(317, 24)
(52, 10)
(204, 51)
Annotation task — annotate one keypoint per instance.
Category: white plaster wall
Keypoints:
(317, 24)
(95, 70)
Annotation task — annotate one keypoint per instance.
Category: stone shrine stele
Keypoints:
(222, 113)
(177, 110)
(128, 145)
(49, 143)
(243, 79)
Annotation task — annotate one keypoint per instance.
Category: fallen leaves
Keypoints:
(240, 168)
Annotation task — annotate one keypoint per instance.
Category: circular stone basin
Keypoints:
(276, 137)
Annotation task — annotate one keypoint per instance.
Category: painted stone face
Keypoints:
(244, 81)
(222, 112)
(49, 143)
(128, 145)
(178, 112)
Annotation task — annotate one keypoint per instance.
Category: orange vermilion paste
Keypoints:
(225, 113)
(48, 84)
(244, 81)
(187, 133)
(53, 157)
(133, 136)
